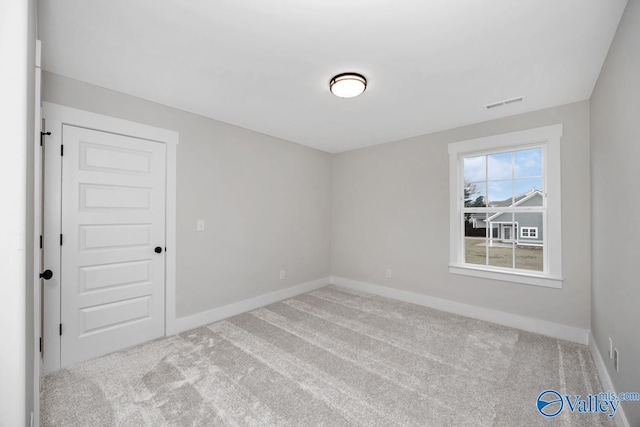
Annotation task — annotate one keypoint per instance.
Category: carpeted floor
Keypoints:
(332, 357)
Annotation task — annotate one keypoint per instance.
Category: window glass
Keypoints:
(508, 189)
(500, 193)
(475, 169)
(527, 163)
(529, 257)
(475, 194)
(500, 166)
(529, 187)
(475, 243)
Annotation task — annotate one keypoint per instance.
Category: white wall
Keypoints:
(390, 209)
(15, 88)
(265, 201)
(615, 147)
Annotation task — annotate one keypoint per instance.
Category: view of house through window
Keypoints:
(504, 209)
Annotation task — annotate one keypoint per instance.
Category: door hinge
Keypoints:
(40, 344)
(62, 150)
(61, 240)
(60, 329)
(42, 135)
(41, 242)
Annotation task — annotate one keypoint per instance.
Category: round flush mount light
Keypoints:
(347, 85)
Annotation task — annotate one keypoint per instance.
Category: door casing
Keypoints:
(37, 232)
(55, 117)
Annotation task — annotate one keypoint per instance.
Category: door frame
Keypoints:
(37, 232)
(55, 116)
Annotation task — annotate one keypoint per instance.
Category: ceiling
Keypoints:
(266, 65)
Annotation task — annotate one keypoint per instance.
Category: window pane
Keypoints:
(529, 258)
(475, 169)
(475, 194)
(475, 242)
(503, 239)
(500, 166)
(530, 223)
(499, 193)
(501, 255)
(475, 250)
(528, 187)
(529, 252)
(528, 163)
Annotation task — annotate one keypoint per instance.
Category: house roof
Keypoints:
(507, 203)
(517, 200)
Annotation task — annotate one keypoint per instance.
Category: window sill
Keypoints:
(526, 279)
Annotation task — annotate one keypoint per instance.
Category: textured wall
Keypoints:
(391, 210)
(265, 201)
(615, 147)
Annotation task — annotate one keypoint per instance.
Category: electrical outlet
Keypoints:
(387, 273)
(200, 225)
(610, 348)
(283, 274)
(616, 360)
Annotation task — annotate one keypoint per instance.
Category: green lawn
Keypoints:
(527, 257)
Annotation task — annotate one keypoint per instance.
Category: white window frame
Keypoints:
(529, 230)
(548, 138)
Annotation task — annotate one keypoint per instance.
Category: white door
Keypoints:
(507, 232)
(113, 243)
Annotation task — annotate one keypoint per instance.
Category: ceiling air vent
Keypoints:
(505, 102)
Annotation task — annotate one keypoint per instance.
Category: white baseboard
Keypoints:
(620, 417)
(200, 319)
(543, 327)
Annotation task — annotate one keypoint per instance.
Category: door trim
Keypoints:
(37, 231)
(56, 116)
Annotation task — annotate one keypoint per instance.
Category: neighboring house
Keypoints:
(523, 228)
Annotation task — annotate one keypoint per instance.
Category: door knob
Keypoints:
(46, 275)
(158, 249)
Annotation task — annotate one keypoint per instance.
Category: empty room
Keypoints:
(357, 213)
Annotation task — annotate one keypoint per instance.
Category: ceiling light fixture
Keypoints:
(347, 85)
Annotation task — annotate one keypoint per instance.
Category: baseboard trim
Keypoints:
(200, 319)
(543, 327)
(620, 417)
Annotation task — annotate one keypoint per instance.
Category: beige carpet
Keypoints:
(332, 357)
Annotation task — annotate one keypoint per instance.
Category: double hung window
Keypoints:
(505, 207)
